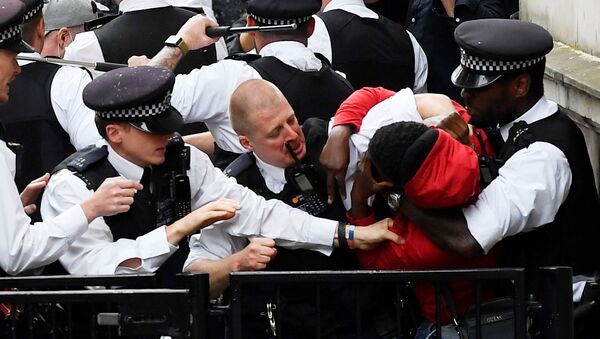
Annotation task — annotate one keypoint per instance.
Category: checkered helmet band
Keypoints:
(476, 63)
(11, 32)
(33, 12)
(144, 111)
(268, 21)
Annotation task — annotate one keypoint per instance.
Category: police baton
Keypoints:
(218, 31)
(97, 66)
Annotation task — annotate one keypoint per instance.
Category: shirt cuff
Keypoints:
(71, 224)
(322, 233)
(364, 221)
(154, 244)
(482, 228)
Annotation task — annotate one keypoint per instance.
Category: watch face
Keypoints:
(173, 40)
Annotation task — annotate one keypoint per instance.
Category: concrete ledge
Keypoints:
(579, 75)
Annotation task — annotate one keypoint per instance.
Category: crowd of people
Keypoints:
(353, 141)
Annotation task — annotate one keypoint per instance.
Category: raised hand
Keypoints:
(31, 193)
(193, 32)
(210, 213)
(114, 196)
(335, 158)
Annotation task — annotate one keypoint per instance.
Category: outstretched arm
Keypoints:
(447, 228)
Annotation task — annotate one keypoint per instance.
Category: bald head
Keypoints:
(248, 99)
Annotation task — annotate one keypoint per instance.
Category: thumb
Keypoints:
(30, 209)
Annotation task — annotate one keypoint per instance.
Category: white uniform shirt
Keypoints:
(215, 244)
(528, 192)
(320, 41)
(95, 252)
(24, 246)
(85, 46)
(66, 97)
(203, 95)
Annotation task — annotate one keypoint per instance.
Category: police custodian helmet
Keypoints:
(140, 96)
(11, 26)
(492, 47)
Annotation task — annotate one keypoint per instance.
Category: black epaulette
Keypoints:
(240, 164)
(80, 161)
(247, 57)
(87, 158)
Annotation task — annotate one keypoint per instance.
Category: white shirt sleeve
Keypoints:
(203, 95)
(289, 227)
(72, 114)
(85, 47)
(213, 244)
(24, 246)
(528, 192)
(95, 252)
(420, 66)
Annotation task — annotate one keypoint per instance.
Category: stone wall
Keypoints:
(573, 66)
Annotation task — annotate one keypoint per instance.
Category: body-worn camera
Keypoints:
(172, 184)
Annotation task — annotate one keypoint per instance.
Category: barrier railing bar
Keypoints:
(478, 310)
(438, 310)
(83, 296)
(64, 281)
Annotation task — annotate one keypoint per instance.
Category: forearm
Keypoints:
(447, 228)
(168, 57)
(218, 272)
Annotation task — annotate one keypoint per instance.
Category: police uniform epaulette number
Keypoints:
(86, 158)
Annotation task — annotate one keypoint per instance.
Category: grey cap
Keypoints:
(68, 13)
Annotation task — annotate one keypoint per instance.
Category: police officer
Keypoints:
(311, 86)
(26, 246)
(389, 55)
(134, 115)
(543, 204)
(141, 29)
(46, 113)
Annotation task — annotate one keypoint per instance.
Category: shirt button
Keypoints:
(457, 19)
(413, 20)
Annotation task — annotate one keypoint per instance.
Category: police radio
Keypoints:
(172, 183)
(306, 180)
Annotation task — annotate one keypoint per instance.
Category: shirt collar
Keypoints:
(293, 53)
(542, 109)
(274, 176)
(138, 5)
(124, 167)
(356, 7)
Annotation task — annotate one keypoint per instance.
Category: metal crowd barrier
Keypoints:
(134, 305)
(555, 295)
(141, 309)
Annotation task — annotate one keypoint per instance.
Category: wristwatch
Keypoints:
(177, 41)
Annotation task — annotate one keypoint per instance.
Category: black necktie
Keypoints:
(146, 182)
(495, 138)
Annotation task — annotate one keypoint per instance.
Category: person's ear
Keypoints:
(63, 36)
(115, 133)
(40, 29)
(246, 143)
(521, 85)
